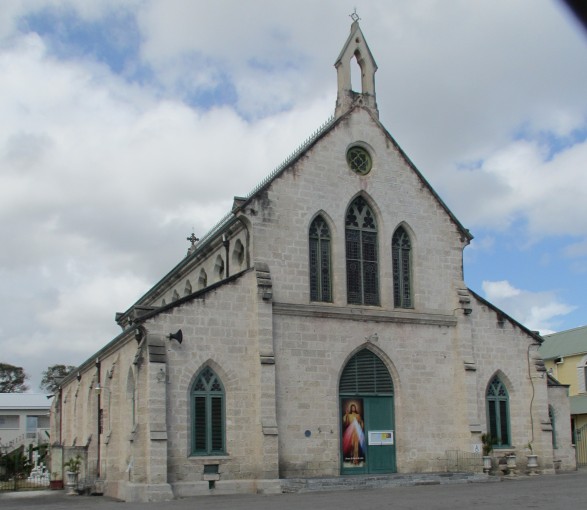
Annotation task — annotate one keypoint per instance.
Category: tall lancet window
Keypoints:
(401, 253)
(498, 412)
(320, 278)
(208, 417)
(361, 254)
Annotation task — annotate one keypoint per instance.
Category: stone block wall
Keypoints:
(501, 347)
(220, 331)
(321, 182)
(564, 454)
(311, 354)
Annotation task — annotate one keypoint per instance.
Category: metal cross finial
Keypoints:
(354, 16)
(193, 239)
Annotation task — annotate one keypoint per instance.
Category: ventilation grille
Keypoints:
(366, 373)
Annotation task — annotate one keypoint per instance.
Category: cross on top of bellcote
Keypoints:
(354, 16)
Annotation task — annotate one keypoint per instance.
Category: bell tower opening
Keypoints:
(355, 66)
(356, 75)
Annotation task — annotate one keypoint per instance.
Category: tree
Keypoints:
(53, 376)
(12, 379)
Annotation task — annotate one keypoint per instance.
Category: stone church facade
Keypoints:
(322, 328)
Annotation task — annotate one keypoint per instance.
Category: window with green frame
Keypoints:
(362, 272)
(498, 413)
(401, 254)
(320, 278)
(208, 419)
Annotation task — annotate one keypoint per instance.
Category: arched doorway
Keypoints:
(367, 416)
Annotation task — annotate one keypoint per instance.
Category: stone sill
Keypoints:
(209, 459)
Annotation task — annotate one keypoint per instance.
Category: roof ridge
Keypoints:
(274, 173)
(301, 148)
(565, 331)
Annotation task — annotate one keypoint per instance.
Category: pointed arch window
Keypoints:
(202, 280)
(320, 271)
(208, 415)
(401, 253)
(498, 413)
(219, 268)
(361, 254)
(364, 374)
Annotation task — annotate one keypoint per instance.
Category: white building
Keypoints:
(326, 330)
(24, 420)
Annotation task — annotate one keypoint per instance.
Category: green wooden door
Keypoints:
(367, 435)
(380, 435)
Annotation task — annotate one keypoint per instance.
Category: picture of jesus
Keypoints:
(353, 433)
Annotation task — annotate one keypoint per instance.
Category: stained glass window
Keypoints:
(361, 254)
(320, 278)
(401, 254)
(207, 414)
(498, 412)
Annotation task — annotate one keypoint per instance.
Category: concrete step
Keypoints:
(291, 485)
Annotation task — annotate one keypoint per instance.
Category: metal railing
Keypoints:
(35, 437)
(459, 460)
(18, 473)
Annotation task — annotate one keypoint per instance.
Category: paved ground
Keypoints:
(549, 492)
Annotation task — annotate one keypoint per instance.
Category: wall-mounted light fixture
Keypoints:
(99, 389)
(176, 336)
(139, 334)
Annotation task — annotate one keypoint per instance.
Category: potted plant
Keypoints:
(55, 483)
(532, 460)
(72, 469)
(487, 441)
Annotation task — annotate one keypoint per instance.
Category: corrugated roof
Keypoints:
(24, 401)
(565, 343)
(578, 404)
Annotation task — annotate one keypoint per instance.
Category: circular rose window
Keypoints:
(359, 160)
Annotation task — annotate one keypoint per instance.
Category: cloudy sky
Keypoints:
(125, 124)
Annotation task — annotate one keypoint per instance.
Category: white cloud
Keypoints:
(500, 290)
(102, 178)
(538, 311)
(521, 181)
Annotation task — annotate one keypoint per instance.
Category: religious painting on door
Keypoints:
(367, 435)
(353, 433)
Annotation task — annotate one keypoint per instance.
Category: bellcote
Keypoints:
(355, 47)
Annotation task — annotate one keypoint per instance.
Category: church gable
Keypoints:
(356, 157)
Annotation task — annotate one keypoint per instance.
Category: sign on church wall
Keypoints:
(353, 433)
